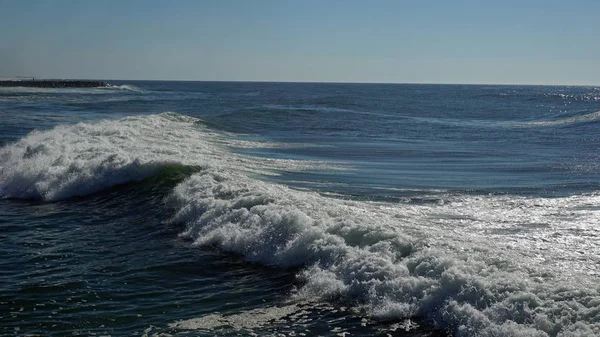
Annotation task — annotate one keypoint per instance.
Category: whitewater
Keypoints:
(466, 262)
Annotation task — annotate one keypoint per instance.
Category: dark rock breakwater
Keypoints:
(54, 84)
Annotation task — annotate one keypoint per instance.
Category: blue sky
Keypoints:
(520, 42)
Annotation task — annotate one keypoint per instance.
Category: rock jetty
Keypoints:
(54, 84)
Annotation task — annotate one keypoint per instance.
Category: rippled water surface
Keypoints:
(202, 209)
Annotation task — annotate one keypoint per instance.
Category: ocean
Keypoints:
(162, 208)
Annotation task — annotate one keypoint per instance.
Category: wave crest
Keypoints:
(80, 159)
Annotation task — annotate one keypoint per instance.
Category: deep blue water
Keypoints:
(214, 208)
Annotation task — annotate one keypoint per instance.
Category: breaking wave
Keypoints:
(80, 159)
(454, 264)
(478, 265)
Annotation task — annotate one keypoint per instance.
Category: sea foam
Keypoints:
(472, 264)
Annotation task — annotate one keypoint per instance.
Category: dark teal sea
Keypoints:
(300, 209)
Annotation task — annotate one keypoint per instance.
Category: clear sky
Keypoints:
(471, 41)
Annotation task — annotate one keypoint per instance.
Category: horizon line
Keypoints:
(299, 82)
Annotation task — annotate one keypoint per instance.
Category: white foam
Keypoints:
(483, 266)
(127, 87)
(248, 320)
(84, 158)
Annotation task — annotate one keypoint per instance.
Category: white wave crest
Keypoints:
(453, 264)
(80, 159)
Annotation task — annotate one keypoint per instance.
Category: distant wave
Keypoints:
(127, 87)
(325, 109)
(591, 117)
(585, 118)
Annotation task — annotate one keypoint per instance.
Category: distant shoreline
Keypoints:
(53, 84)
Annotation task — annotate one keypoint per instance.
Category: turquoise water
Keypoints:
(202, 209)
